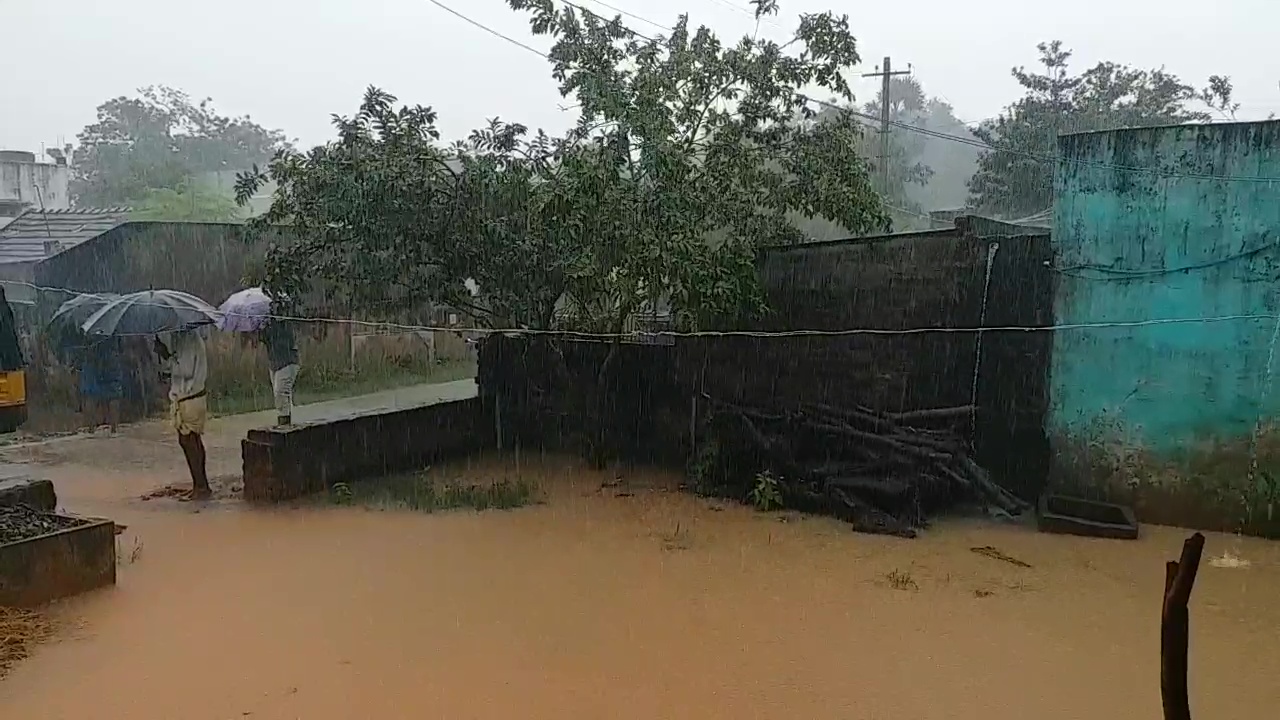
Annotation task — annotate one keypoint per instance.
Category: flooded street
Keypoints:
(631, 602)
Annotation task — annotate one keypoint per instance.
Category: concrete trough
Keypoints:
(58, 564)
(1090, 518)
(282, 464)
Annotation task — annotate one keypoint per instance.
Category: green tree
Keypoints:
(685, 162)
(189, 201)
(159, 140)
(1015, 178)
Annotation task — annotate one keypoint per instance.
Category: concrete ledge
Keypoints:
(287, 463)
(35, 494)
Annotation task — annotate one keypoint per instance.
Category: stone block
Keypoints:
(35, 493)
(287, 463)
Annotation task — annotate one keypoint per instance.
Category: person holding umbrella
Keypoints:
(173, 319)
(185, 359)
(249, 311)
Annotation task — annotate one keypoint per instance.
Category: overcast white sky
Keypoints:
(291, 63)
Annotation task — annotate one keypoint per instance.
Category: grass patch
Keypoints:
(900, 580)
(423, 493)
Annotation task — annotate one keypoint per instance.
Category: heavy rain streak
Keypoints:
(583, 359)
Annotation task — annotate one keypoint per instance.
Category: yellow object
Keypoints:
(13, 388)
(189, 415)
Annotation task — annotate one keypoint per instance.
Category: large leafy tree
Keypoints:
(685, 161)
(1015, 178)
(159, 140)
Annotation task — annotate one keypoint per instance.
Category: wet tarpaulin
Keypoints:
(10, 349)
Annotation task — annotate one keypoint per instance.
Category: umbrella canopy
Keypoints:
(149, 313)
(78, 309)
(245, 311)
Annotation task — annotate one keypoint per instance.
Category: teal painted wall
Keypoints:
(1135, 245)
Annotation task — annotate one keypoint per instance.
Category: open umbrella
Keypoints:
(78, 309)
(150, 312)
(245, 311)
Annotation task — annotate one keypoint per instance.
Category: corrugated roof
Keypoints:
(35, 235)
(1042, 219)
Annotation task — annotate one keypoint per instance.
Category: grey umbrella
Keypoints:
(78, 309)
(150, 312)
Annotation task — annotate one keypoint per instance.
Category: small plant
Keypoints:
(1261, 499)
(899, 580)
(341, 494)
(766, 495)
(135, 552)
(677, 539)
(704, 467)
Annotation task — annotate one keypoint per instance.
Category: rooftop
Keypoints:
(35, 235)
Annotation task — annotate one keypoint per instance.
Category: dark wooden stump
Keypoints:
(1179, 579)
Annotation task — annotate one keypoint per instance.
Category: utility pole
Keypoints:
(885, 72)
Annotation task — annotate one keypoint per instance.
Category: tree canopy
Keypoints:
(159, 140)
(190, 201)
(684, 162)
(1015, 178)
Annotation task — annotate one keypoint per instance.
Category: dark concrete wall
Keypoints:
(934, 279)
(288, 463)
(208, 260)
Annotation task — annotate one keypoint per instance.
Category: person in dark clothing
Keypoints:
(102, 383)
(282, 355)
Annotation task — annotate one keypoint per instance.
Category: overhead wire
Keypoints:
(973, 142)
(582, 335)
(572, 334)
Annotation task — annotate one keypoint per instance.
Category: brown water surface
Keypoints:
(651, 604)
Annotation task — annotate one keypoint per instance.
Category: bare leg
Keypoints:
(193, 449)
(113, 414)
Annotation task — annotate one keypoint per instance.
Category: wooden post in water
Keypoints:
(1179, 579)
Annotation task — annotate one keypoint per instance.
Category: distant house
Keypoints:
(35, 235)
(27, 183)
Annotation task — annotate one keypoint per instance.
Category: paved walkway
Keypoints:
(227, 431)
(394, 399)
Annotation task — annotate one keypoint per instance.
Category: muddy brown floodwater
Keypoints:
(617, 603)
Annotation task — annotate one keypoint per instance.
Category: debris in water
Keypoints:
(881, 472)
(20, 631)
(994, 554)
(19, 522)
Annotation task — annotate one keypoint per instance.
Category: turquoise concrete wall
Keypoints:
(1133, 245)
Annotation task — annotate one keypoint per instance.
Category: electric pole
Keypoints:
(885, 72)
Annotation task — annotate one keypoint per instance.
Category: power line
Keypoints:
(574, 334)
(1050, 159)
(620, 11)
(486, 28)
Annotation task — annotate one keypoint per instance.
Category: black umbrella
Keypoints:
(150, 312)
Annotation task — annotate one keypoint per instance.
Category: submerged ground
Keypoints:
(606, 601)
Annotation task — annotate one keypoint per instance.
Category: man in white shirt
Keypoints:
(184, 358)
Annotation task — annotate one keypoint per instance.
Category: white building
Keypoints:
(26, 184)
